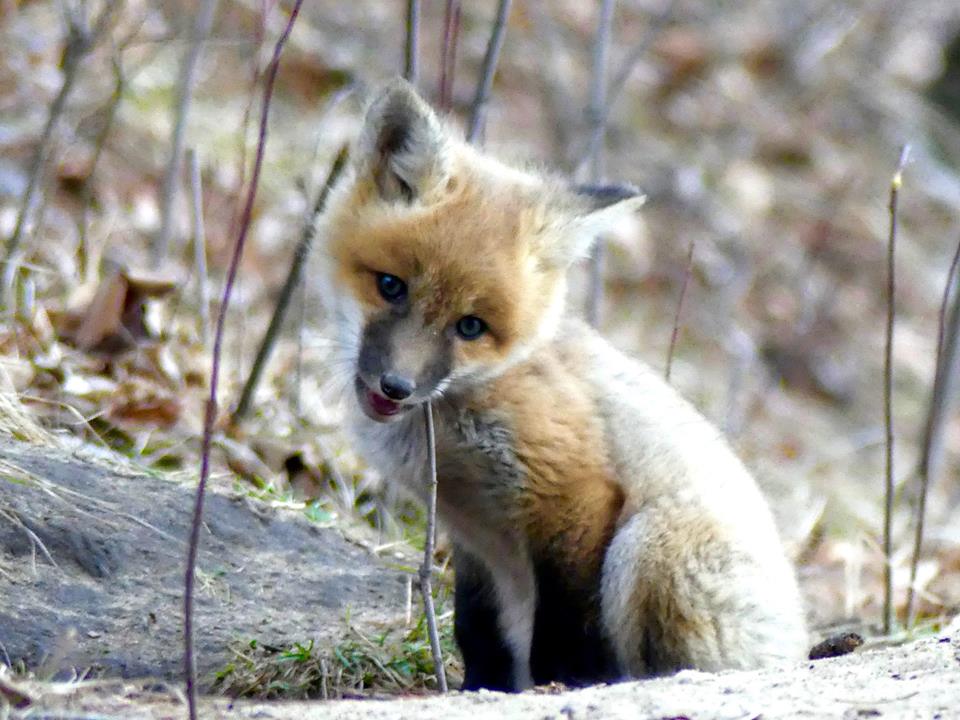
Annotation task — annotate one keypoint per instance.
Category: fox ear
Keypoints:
(401, 144)
(588, 212)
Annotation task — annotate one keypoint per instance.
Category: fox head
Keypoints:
(443, 266)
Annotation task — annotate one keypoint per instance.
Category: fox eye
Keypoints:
(470, 327)
(391, 288)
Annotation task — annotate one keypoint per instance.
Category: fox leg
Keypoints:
(499, 556)
(677, 593)
(487, 660)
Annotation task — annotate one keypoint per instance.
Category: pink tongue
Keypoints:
(382, 405)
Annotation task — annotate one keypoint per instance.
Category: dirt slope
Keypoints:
(112, 602)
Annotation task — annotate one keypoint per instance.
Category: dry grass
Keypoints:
(14, 418)
(396, 661)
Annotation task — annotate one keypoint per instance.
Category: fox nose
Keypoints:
(396, 387)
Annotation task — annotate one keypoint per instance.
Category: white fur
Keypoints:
(679, 473)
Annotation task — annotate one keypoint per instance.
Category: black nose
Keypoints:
(395, 387)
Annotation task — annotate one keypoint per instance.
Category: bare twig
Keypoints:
(426, 569)
(411, 48)
(619, 81)
(478, 116)
(888, 609)
(31, 535)
(80, 40)
(595, 117)
(945, 301)
(687, 271)
(448, 60)
(244, 130)
(210, 414)
(298, 368)
(286, 293)
(931, 457)
(199, 244)
(83, 251)
(188, 79)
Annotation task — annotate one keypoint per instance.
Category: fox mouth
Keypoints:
(376, 406)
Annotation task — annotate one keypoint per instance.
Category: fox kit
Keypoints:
(602, 528)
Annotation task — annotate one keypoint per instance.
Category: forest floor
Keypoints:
(920, 680)
(96, 585)
(94, 557)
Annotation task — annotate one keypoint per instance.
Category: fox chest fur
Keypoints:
(523, 476)
(602, 527)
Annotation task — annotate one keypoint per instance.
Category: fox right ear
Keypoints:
(401, 144)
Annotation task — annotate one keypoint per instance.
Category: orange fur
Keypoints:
(572, 500)
(469, 253)
(561, 463)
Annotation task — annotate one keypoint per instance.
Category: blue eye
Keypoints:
(470, 327)
(392, 289)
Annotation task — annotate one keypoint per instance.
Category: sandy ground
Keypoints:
(918, 680)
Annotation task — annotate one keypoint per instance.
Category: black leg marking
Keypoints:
(569, 644)
(486, 658)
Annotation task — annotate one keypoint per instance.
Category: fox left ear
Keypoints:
(401, 143)
(593, 210)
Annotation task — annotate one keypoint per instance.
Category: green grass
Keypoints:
(394, 661)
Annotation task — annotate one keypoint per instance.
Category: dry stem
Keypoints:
(411, 48)
(286, 293)
(80, 40)
(595, 117)
(426, 586)
(888, 609)
(945, 302)
(199, 244)
(448, 61)
(188, 79)
(211, 406)
(619, 81)
(478, 116)
(931, 458)
(83, 251)
(687, 271)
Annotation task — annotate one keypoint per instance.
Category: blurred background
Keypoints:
(765, 134)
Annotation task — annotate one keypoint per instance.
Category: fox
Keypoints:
(602, 529)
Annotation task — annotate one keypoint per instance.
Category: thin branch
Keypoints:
(298, 369)
(687, 271)
(931, 457)
(411, 48)
(85, 265)
(478, 116)
(86, 196)
(945, 302)
(31, 535)
(619, 81)
(244, 129)
(80, 41)
(203, 23)
(448, 60)
(888, 609)
(595, 117)
(426, 569)
(294, 276)
(199, 244)
(210, 415)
